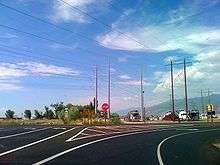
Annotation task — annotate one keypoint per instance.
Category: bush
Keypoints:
(27, 114)
(38, 115)
(115, 119)
(48, 113)
(9, 114)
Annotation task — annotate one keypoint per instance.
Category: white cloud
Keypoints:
(124, 77)
(65, 12)
(123, 59)
(170, 58)
(9, 72)
(45, 69)
(209, 37)
(202, 74)
(10, 87)
(162, 38)
(188, 9)
(114, 40)
(133, 82)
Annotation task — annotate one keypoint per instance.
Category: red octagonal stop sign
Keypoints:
(105, 107)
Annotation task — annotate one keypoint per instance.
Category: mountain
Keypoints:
(194, 103)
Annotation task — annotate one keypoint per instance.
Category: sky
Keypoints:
(49, 50)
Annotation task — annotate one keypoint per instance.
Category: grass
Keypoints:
(53, 122)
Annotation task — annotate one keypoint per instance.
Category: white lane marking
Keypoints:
(170, 137)
(89, 143)
(23, 133)
(187, 129)
(110, 133)
(109, 128)
(36, 142)
(98, 131)
(90, 136)
(29, 128)
(59, 128)
(72, 138)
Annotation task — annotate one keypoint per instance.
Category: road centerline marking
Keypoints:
(36, 142)
(23, 133)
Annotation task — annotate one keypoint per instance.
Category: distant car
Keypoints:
(194, 115)
(169, 116)
(183, 115)
(133, 116)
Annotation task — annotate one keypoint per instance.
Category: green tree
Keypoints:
(27, 114)
(48, 113)
(9, 114)
(38, 114)
(74, 114)
(91, 106)
(58, 107)
(115, 118)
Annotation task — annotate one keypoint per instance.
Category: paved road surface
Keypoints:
(133, 144)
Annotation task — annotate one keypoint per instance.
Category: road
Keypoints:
(126, 144)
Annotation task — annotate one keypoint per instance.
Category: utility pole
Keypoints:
(209, 97)
(142, 97)
(186, 94)
(172, 87)
(96, 89)
(109, 88)
(202, 102)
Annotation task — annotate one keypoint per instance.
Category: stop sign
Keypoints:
(105, 107)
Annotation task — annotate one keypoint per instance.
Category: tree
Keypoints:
(9, 114)
(27, 114)
(74, 114)
(91, 106)
(38, 115)
(115, 118)
(48, 113)
(58, 107)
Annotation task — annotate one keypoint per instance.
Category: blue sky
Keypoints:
(43, 63)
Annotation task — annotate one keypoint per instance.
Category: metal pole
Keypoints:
(142, 97)
(109, 88)
(210, 103)
(96, 89)
(172, 88)
(202, 102)
(209, 96)
(186, 94)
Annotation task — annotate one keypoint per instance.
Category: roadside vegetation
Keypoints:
(60, 113)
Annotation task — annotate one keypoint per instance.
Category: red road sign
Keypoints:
(105, 107)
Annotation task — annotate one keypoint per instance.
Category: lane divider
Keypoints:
(72, 138)
(173, 136)
(36, 142)
(23, 133)
(92, 142)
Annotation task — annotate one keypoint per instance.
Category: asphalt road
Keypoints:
(148, 144)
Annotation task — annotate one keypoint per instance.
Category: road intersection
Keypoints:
(124, 144)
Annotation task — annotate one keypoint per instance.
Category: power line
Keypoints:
(101, 22)
(43, 38)
(41, 57)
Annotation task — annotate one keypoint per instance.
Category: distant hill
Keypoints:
(194, 103)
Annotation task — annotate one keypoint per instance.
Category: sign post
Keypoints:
(105, 108)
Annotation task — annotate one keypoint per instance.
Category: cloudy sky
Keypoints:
(49, 49)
